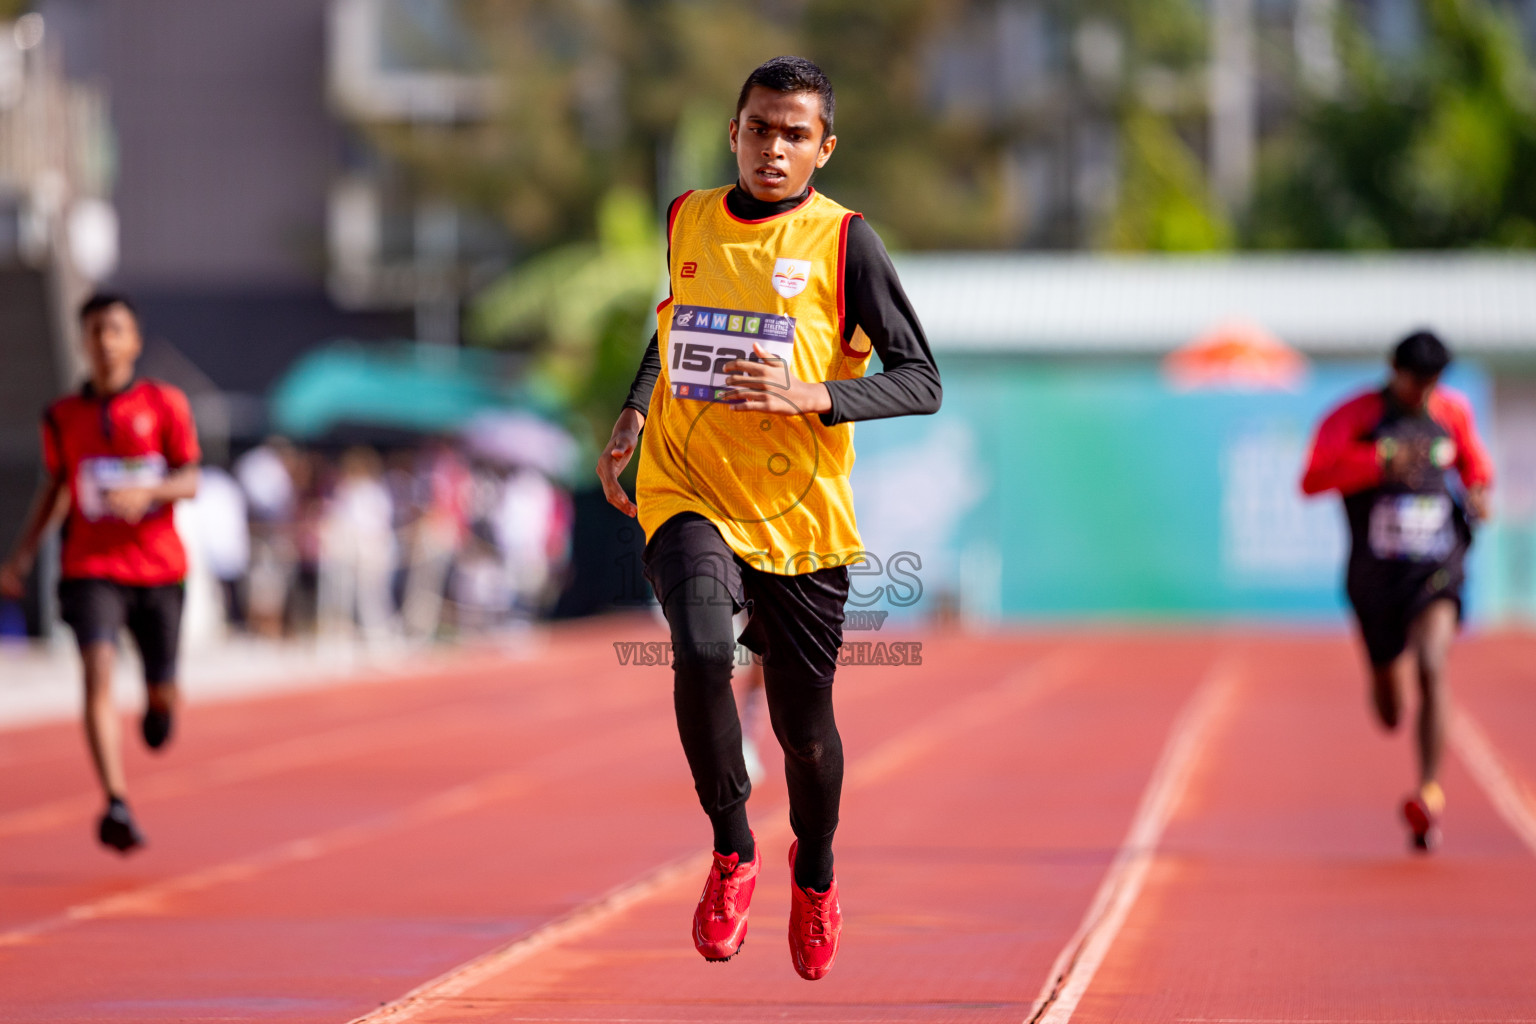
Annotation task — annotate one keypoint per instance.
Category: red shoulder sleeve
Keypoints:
(1453, 412)
(178, 433)
(1341, 458)
(672, 211)
(676, 205)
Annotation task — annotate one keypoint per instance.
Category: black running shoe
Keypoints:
(117, 829)
(157, 727)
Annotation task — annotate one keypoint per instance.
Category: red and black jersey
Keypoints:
(1409, 533)
(129, 439)
(1344, 453)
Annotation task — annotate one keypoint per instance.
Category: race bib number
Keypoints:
(97, 476)
(704, 340)
(1412, 526)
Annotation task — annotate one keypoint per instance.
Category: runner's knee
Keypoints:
(699, 613)
(808, 733)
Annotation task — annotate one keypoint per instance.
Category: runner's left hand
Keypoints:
(129, 503)
(768, 385)
(13, 579)
(1477, 502)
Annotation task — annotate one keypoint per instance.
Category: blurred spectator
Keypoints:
(265, 474)
(435, 538)
(357, 551)
(216, 520)
(426, 543)
(531, 526)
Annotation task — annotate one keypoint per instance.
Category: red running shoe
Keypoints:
(720, 919)
(815, 923)
(1423, 824)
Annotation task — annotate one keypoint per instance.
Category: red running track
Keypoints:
(1079, 826)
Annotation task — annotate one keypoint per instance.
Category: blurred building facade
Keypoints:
(224, 153)
(255, 216)
(225, 162)
(57, 233)
(1055, 79)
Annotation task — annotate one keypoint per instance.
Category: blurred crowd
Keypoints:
(420, 543)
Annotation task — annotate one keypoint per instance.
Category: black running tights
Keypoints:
(699, 612)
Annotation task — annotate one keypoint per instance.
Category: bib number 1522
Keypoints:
(703, 357)
(702, 342)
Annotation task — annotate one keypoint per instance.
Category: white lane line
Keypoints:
(1509, 795)
(1014, 691)
(150, 899)
(463, 716)
(1079, 960)
(578, 922)
(463, 798)
(303, 751)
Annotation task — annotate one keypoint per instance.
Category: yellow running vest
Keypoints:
(775, 486)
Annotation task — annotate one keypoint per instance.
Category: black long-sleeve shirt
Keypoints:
(908, 383)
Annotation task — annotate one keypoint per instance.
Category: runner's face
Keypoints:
(1412, 390)
(112, 346)
(778, 141)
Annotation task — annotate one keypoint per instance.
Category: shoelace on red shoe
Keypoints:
(819, 921)
(725, 894)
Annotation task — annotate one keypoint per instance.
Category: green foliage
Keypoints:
(593, 91)
(1163, 203)
(1440, 153)
(583, 306)
(929, 181)
(611, 107)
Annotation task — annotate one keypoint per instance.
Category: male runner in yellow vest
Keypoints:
(778, 296)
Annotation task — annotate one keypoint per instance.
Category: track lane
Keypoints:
(291, 787)
(367, 918)
(1285, 891)
(965, 865)
(982, 814)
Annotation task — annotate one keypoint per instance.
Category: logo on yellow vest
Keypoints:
(791, 276)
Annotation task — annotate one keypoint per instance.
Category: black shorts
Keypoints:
(795, 623)
(97, 610)
(1388, 596)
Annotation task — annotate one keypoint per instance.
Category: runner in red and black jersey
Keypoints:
(1390, 454)
(118, 455)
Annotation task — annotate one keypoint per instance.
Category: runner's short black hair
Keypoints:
(792, 74)
(1422, 354)
(105, 300)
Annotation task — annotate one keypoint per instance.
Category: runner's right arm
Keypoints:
(626, 430)
(49, 508)
(1342, 459)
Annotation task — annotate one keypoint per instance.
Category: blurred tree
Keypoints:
(596, 93)
(1163, 199)
(585, 306)
(1439, 152)
(927, 180)
(611, 107)
(1164, 202)
(614, 106)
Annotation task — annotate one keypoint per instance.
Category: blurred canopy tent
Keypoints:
(399, 385)
(521, 439)
(1236, 354)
